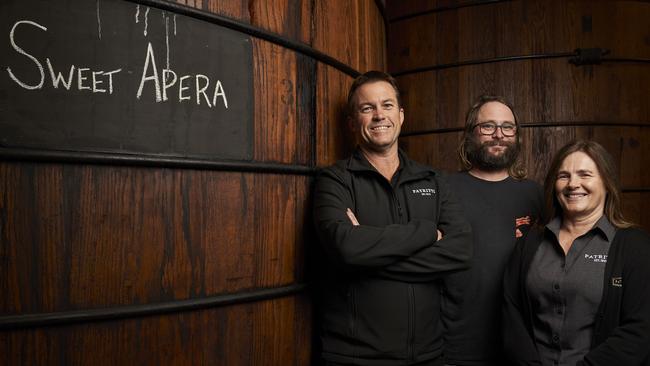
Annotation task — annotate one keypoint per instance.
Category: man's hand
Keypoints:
(352, 218)
(439, 235)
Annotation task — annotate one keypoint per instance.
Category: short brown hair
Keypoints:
(370, 77)
(518, 169)
(607, 171)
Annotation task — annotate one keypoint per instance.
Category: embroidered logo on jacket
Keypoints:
(424, 191)
(521, 221)
(597, 258)
(617, 281)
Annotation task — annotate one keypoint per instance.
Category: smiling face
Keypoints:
(497, 143)
(492, 152)
(377, 117)
(579, 187)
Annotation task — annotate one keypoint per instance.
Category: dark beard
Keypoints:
(480, 157)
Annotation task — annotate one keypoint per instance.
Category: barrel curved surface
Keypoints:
(109, 259)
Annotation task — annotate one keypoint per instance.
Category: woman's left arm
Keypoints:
(629, 341)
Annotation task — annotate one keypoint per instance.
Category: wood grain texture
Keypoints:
(514, 28)
(372, 37)
(264, 333)
(76, 237)
(542, 91)
(283, 94)
(334, 137)
(289, 18)
(412, 8)
(350, 31)
(199, 4)
(236, 9)
(327, 18)
(437, 150)
(93, 237)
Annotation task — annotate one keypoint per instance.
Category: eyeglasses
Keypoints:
(490, 128)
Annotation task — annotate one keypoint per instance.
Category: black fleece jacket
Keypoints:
(380, 302)
(621, 334)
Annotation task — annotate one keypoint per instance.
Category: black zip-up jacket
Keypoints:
(380, 300)
(621, 334)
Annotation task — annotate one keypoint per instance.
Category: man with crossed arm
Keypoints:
(391, 230)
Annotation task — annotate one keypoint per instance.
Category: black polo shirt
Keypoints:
(565, 291)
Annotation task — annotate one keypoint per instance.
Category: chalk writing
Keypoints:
(83, 78)
(99, 22)
(202, 89)
(116, 77)
(22, 52)
(146, 21)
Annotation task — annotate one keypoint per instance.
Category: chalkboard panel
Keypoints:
(117, 77)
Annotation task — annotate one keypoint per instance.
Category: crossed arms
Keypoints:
(411, 252)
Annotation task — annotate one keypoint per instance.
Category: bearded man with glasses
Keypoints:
(500, 205)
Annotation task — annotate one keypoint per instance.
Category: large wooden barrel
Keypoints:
(128, 257)
(447, 53)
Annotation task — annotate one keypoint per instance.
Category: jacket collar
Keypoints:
(408, 168)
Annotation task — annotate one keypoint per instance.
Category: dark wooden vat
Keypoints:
(139, 260)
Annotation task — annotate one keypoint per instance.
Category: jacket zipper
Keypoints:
(353, 311)
(398, 215)
(411, 295)
(411, 324)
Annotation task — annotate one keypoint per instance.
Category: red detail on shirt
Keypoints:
(521, 221)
